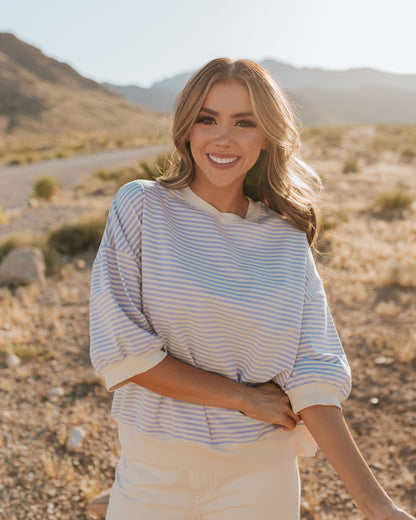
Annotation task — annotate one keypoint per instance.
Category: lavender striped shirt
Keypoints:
(237, 296)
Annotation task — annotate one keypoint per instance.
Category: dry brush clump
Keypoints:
(73, 239)
(46, 186)
(350, 166)
(394, 202)
(107, 182)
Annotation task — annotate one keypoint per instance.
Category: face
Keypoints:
(226, 140)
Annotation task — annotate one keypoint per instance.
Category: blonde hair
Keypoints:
(279, 178)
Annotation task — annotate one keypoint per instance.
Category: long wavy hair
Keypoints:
(280, 179)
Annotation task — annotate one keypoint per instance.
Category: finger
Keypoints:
(289, 425)
(295, 417)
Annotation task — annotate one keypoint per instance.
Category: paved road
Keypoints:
(16, 181)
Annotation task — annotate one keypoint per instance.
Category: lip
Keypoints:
(224, 165)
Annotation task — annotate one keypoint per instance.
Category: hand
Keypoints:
(267, 402)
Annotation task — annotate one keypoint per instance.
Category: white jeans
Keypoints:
(144, 491)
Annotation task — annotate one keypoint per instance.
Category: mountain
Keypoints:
(156, 98)
(41, 95)
(366, 96)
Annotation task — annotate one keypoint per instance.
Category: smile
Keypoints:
(222, 160)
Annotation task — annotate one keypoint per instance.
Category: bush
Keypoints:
(407, 155)
(144, 170)
(46, 186)
(72, 239)
(154, 169)
(332, 219)
(396, 201)
(350, 166)
(106, 175)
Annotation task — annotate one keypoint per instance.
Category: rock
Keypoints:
(80, 264)
(382, 360)
(12, 360)
(22, 266)
(54, 393)
(74, 441)
(99, 504)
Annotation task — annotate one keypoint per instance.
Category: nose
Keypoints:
(223, 139)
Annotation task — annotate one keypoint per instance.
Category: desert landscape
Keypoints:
(58, 444)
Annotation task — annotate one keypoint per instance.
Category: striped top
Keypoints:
(237, 296)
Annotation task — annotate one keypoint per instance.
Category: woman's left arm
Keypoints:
(328, 427)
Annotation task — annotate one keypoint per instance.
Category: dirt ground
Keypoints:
(368, 262)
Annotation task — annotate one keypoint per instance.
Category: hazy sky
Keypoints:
(142, 41)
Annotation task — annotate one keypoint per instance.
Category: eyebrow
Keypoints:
(239, 114)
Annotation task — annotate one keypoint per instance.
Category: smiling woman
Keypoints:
(225, 144)
(210, 323)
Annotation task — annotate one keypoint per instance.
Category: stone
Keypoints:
(23, 266)
(12, 360)
(74, 441)
(54, 393)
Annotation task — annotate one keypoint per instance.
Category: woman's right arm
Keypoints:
(173, 378)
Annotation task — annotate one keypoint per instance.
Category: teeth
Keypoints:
(221, 160)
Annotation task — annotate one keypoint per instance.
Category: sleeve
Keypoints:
(321, 374)
(122, 341)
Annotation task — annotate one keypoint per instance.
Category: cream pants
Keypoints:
(144, 491)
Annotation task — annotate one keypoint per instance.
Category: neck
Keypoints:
(225, 200)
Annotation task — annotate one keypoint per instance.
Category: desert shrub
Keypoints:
(397, 200)
(107, 175)
(153, 169)
(84, 235)
(52, 258)
(332, 219)
(407, 155)
(46, 186)
(128, 174)
(146, 169)
(350, 166)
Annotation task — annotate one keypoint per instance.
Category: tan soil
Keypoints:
(374, 309)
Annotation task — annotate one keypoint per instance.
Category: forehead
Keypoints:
(230, 95)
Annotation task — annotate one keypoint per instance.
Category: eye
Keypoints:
(246, 123)
(206, 120)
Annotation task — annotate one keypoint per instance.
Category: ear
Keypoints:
(265, 145)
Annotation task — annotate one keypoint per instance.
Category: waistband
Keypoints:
(274, 448)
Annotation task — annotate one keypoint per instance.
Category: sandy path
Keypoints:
(16, 181)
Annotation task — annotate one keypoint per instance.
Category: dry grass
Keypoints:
(24, 150)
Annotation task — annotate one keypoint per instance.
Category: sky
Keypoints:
(143, 41)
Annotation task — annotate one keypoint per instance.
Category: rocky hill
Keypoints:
(41, 95)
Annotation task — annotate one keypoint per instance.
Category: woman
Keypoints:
(209, 320)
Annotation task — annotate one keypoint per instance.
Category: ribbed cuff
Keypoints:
(313, 394)
(119, 374)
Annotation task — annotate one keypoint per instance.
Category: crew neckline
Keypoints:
(190, 196)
